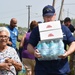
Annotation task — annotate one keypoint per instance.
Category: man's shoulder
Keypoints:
(64, 27)
(15, 29)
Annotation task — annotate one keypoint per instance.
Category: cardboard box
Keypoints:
(50, 30)
(50, 35)
(49, 26)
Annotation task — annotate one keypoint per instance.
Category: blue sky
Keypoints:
(18, 9)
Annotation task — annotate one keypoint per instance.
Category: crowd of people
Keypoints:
(11, 59)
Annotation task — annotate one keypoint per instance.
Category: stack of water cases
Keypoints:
(50, 45)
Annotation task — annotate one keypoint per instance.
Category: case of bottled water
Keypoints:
(50, 50)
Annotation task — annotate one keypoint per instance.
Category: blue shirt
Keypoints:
(52, 66)
(13, 36)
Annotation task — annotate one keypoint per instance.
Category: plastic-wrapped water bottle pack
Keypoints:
(50, 50)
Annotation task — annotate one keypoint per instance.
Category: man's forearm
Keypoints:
(71, 49)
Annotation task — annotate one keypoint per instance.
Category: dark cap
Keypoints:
(48, 10)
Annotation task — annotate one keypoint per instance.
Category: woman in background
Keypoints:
(28, 59)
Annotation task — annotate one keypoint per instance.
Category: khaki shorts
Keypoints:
(29, 65)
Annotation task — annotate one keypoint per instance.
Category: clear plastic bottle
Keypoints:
(56, 49)
(45, 49)
(52, 50)
(61, 47)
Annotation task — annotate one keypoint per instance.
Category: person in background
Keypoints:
(51, 67)
(61, 21)
(9, 60)
(38, 23)
(21, 48)
(67, 22)
(13, 33)
(27, 58)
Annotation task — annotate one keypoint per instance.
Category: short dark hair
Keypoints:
(33, 24)
(67, 19)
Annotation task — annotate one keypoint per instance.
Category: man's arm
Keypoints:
(33, 41)
(33, 51)
(69, 51)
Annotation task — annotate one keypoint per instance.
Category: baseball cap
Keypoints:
(48, 10)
